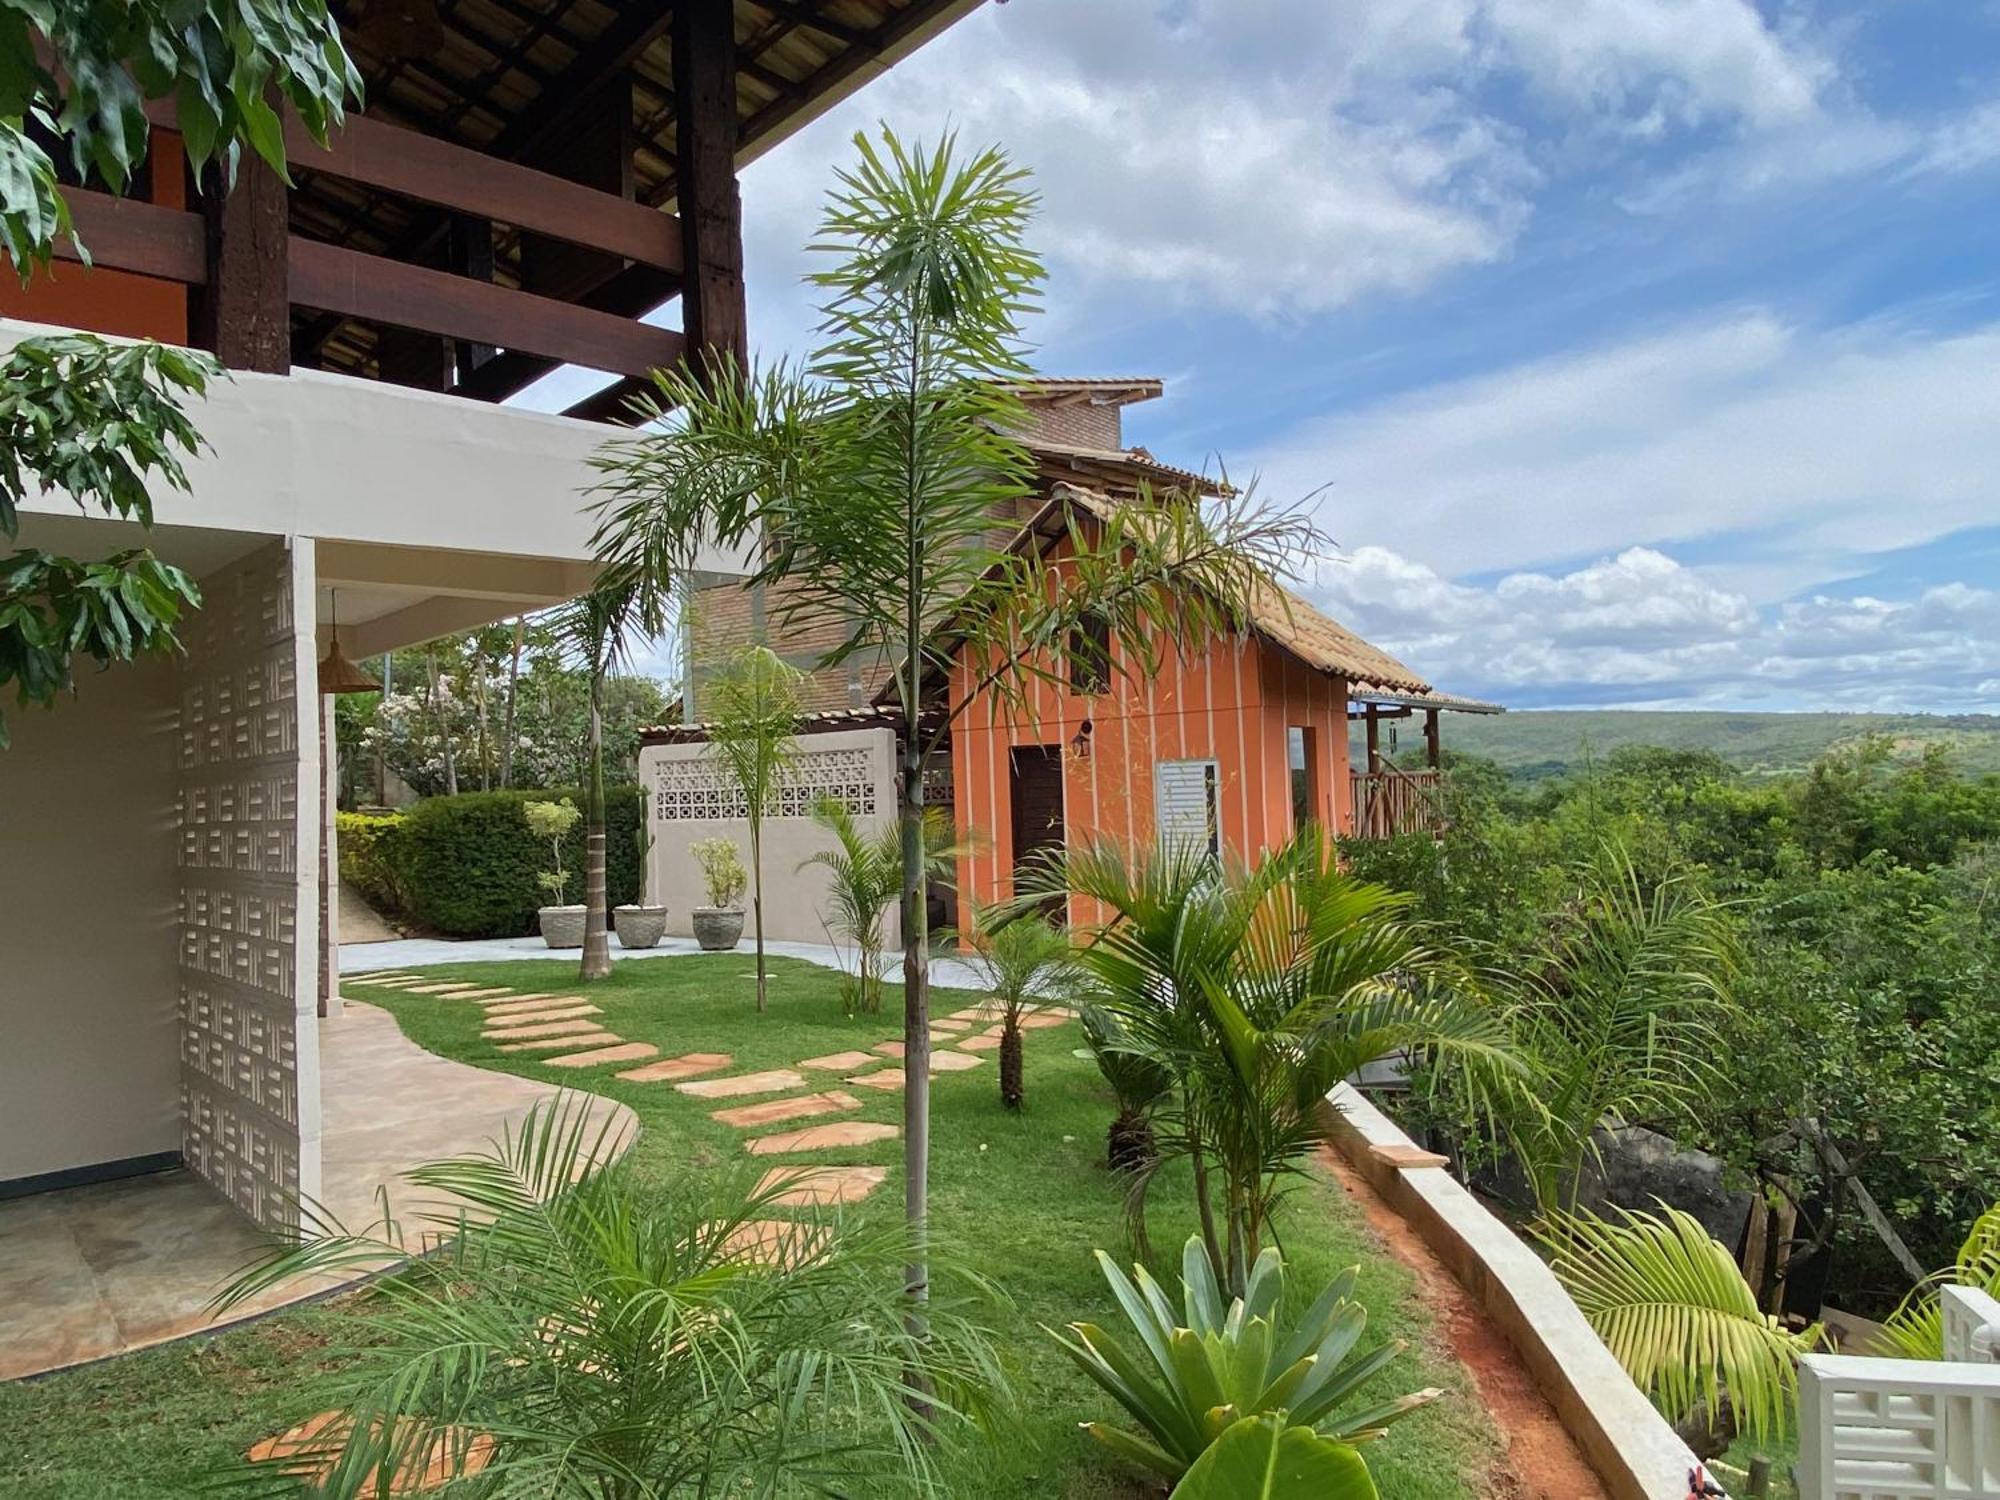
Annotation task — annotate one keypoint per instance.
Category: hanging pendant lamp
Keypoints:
(337, 674)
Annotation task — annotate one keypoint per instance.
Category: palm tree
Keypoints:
(756, 715)
(1257, 989)
(1019, 959)
(1916, 1329)
(594, 629)
(865, 873)
(590, 1335)
(867, 484)
(1672, 1306)
(1620, 1012)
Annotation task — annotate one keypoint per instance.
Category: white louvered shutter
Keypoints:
(1185, 794)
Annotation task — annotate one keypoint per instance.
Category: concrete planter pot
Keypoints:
(639, 926)
(718, 928)
(562, 926)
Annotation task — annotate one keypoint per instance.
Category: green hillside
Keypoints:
(1533, 745)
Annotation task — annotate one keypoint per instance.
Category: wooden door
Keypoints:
(1035, 786)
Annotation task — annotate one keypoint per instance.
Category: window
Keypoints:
(1188, 798)
(1090, 655)
(1302, 756)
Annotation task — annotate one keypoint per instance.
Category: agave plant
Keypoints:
(1200, 1373)
(1673, 1308)
(1916, 1329)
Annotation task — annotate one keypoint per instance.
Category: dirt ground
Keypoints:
(1541, 1462)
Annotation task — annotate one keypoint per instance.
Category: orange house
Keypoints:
(1235, 744)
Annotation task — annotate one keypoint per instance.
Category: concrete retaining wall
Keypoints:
(1620, 1433)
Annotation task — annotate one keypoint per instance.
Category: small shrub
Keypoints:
(551, 822)
(370, 850)
(721, 869)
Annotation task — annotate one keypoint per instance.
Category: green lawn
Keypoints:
(1024, 1197)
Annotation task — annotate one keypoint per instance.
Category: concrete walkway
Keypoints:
(417, 953)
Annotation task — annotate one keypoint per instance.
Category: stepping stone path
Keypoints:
(379, 979)
(538, 1013)
(821, 1187)
(623, 1052)
(482, 994)
(777, 1111)
(889, 1049)
(947, 1024)
(824, 1137)
(441, 989)
(690, 1066)
(566, 1043)
(981, 1043)
(775, 1242)
(540, 1028)
(888, 1078)
(777, 1081)
(310, 1451)
(839, 1062)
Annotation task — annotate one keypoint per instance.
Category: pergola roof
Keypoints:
(514, 78)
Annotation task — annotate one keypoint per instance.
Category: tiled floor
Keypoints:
(95, 1271)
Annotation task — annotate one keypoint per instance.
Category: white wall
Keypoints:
(91, 1062)
(685, 789)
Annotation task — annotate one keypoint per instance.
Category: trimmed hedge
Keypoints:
(465, 866)
(368, 856)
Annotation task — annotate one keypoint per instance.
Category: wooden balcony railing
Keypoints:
(1390, 803)
(277, 270)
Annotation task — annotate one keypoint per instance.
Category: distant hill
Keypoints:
(1532, 745)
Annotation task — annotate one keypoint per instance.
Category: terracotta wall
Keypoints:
(1230, 702)
(101, 300)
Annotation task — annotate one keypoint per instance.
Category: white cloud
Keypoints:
(1849, 441)
(1640, 629)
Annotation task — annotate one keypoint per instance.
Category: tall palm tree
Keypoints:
(1258, 988)
(591, 1336)
(594, 628)
(756, 713)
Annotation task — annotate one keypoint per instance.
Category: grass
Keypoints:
(1024, 1197)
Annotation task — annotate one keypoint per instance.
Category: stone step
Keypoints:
(778, 1243)
(777, 1111)
(448, 988)
(888, 1078)
(737, 1085)
(941, 1062)
(980, 1043)
(571, 1039)
(310, 1451)
(888, 1049)
(693, 1065)
(824, 1137)
(839, 1062)
(380, 978)
(599, 1056)
(947, 1024)
(516, 1002)
(820, 1187)
(492, 994)
(497, 1024)
(540, 1028)
(1041, 1019)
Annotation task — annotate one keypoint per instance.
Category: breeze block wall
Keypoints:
(248, 870)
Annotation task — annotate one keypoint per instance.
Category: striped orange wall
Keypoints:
(1230, 701)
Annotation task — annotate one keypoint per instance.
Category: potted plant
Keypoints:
(719, 925)
(562, 924)
(640, 925)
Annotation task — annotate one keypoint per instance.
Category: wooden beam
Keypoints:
(413, 165)
(612, 404)
(123, 234)
(337, 280)
(244, 316)
(711, 208)
(635, 291)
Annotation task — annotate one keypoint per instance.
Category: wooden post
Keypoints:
(244, 315)
(1374, 738)
(711, 209)
(1431, 737)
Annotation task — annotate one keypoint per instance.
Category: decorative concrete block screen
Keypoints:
(1971, 1325)
(1898, 1429)
(249, 1101)
(696, 789)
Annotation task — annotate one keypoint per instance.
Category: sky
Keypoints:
(1633, 353)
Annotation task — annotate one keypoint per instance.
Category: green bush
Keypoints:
(466, 866)
(369, 856)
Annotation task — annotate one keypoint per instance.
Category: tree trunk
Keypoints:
(1010, 1064)
(507, 718)
(757, 899)
(444, 726)
(596, 941)
(479, 700)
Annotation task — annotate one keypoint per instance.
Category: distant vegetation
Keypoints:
(1531, 746)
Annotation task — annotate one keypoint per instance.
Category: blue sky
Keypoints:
(1641, 352)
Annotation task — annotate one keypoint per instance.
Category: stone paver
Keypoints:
(946, 1023)
(492, 994)
(889, 1049)
(778, 1243)
(980, 1043)
(524, 1002)
(570, 1039)
(692, 1065)
(836, 1062)
(820, 1187)
(1042, 1019)
(824, 1137)
(970, 1013)
(453, 988)
(381, 979)
(597, 1057)
(888, 1078)
(953, 1062)
(539, 1014)
(540, 1028)
(403, 983)
(310, 1450)
(739, 1084)
(777, 1111)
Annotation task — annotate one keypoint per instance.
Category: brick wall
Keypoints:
(1081, 423)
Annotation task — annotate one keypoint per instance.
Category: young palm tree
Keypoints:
(1916, 1329)
(866, 874)
(593, 1336)
(867, 484)
(1257, 989)
(594, 628)
(1021, 960)
(756, 712)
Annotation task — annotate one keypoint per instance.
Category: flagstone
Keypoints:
(889, 1049)
(778, 1243)
(538, 1013)
(888, 1078)
(953, 1062)
(515, 1002)
(776, 1111)
(774, 1081)
(820, 1187)
(835, 1062)
(970, 1013)
(484, 994)
(541, 1028)
(567, 1040)
(980, 1043)
(403, 983)
(1042, 1019)
(623, 1052)
(311, 1450)
(390, 978)
(824, 1137)
(945, 1023)
(667, 1069)
(441, 989)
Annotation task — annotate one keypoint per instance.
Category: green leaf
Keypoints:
(1259, 1458)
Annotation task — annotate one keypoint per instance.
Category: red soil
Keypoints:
(1540, 1462)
